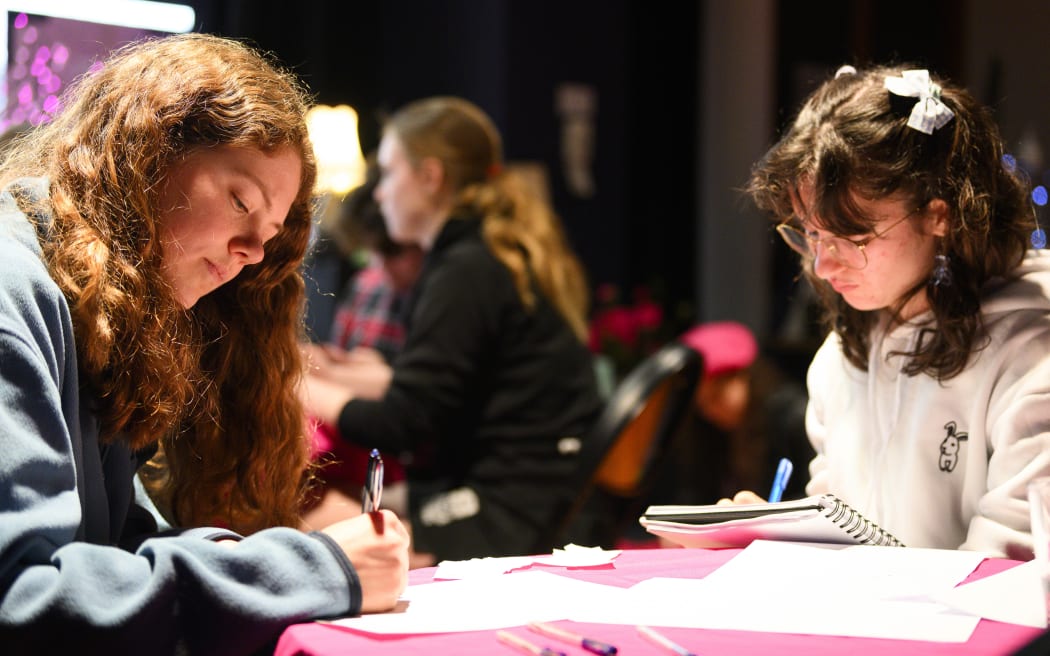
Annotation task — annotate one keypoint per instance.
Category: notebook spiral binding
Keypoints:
(863, 530)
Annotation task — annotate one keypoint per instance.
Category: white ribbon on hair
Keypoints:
(929, 113)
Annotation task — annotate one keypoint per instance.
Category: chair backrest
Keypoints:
(634, 429)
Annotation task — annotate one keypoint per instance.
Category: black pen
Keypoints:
(373, 488)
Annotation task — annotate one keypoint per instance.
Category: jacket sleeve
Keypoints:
(59, 594)
(1018, 443)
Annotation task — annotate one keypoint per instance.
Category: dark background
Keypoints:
(509, 56)
(644, 61)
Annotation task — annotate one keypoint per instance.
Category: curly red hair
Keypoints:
(213, 385)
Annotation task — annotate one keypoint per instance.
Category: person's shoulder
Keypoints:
(470, 278)
(16, 228)
(829, 365)
(830, 349)
(1027, 289)
(469, 258)
(24, 278)
(19, 237)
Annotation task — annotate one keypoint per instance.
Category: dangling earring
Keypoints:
(942, 275)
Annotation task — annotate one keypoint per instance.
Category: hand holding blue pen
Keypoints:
(373, 488)
(780, 481)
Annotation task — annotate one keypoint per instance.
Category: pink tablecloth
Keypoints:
(631, 567)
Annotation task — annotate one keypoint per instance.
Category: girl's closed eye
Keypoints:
(237, 203)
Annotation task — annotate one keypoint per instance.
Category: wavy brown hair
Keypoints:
(851, 139)
(519, 226)
(215, 384)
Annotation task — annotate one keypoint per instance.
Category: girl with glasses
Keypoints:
(928, 399)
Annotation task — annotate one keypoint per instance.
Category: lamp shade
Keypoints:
(340, 164)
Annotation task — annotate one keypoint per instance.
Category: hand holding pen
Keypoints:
(373, 488)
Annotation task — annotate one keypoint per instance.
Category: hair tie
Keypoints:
(845, 69)
(929, 113)
(493, 171)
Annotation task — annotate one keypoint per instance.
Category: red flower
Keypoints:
(617, 324)
(626, 333)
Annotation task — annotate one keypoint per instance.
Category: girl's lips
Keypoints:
(842, 287)
(219, 274)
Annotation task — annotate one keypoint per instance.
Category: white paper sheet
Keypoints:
(875, 592)
(688, 603)
(486, 603)
(572, 555)
(452, 570)
(823, 571)
(1014, 595)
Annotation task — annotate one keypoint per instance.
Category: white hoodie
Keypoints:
(942, 464)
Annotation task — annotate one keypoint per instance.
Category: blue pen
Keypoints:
(780, 481)
(373, 489)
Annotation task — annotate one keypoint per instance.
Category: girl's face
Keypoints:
(404, 194)
(723, 399)
(898, 258)
(218, 208)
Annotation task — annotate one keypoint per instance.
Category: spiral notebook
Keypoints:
(822, 518)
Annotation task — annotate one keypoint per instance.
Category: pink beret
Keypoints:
(727, 346)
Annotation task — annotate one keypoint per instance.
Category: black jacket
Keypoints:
(482, 398)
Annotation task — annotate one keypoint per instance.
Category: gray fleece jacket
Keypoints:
(82, 568)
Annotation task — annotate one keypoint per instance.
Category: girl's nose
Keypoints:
(825, 260)
(248, 247)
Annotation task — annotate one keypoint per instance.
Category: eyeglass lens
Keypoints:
(844, 250)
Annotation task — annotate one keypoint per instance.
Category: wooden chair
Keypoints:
(618, 460)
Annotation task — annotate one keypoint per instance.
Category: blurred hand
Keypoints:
(744, 497)
(377, 545)
(323, 398)
(367, 379)
(317, 355)
(362, 371)
(364, 354)
(320, 356)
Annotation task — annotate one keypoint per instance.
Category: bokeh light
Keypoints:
(1038, 238)
(69, 38)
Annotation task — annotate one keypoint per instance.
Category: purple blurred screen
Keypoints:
(45, 54)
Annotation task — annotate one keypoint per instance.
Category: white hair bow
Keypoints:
(929, 113)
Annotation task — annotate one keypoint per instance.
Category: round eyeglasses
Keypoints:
(850, 252)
